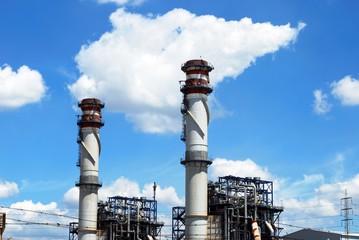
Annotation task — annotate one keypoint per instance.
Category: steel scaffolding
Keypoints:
(236, 206)
(123, 218)
(178, 222)
(73, 230)
(128, 218)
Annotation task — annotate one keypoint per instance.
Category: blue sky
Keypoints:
(284, 105)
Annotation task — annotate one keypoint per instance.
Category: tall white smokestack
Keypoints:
(195, 125)
(90, 147)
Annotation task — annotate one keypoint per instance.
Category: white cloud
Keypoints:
(8, 189)
(321, 104)
(336, 191)
(306, 207)
(246, 168)
(299, 188)
(71, 198)
(120, 187)
(165, 196)
(122, 2)
(135, 68)
(50, 221)
(127, 188)
(20, 88)
(315, 213)
(346, 90)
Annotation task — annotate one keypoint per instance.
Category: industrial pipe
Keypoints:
(255, 230)
(270, 228)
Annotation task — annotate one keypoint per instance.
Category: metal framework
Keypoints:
(346, 202)
(73, 230)
(242, 204)
(178, 222)
(239, 209)
(123, 218)
(128, 218)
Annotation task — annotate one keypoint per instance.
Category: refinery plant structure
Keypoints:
(238, 209)
(232, 208)
(124, 218)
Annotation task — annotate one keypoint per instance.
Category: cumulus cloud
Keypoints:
(318, 207)
(21, 87)
(8, 189)
(135, 68)
(166, 196)
(124, 187)
(346, 91)
(335, 191)
(120, 187)
(241, 168)
(51, 222)
(71, 198)
(321, 104)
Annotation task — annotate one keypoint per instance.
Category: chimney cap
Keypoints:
(197, 64)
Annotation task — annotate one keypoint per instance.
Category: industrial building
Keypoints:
(239, 209)
(232, 208)
(128, 218)
(125, 218)
(309, 234)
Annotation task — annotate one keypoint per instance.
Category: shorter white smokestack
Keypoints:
(90, 147)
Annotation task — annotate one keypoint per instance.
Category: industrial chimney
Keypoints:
(90, 147)
(195, 124)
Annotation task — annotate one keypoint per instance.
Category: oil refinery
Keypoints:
(239, 208)
(233, 208)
